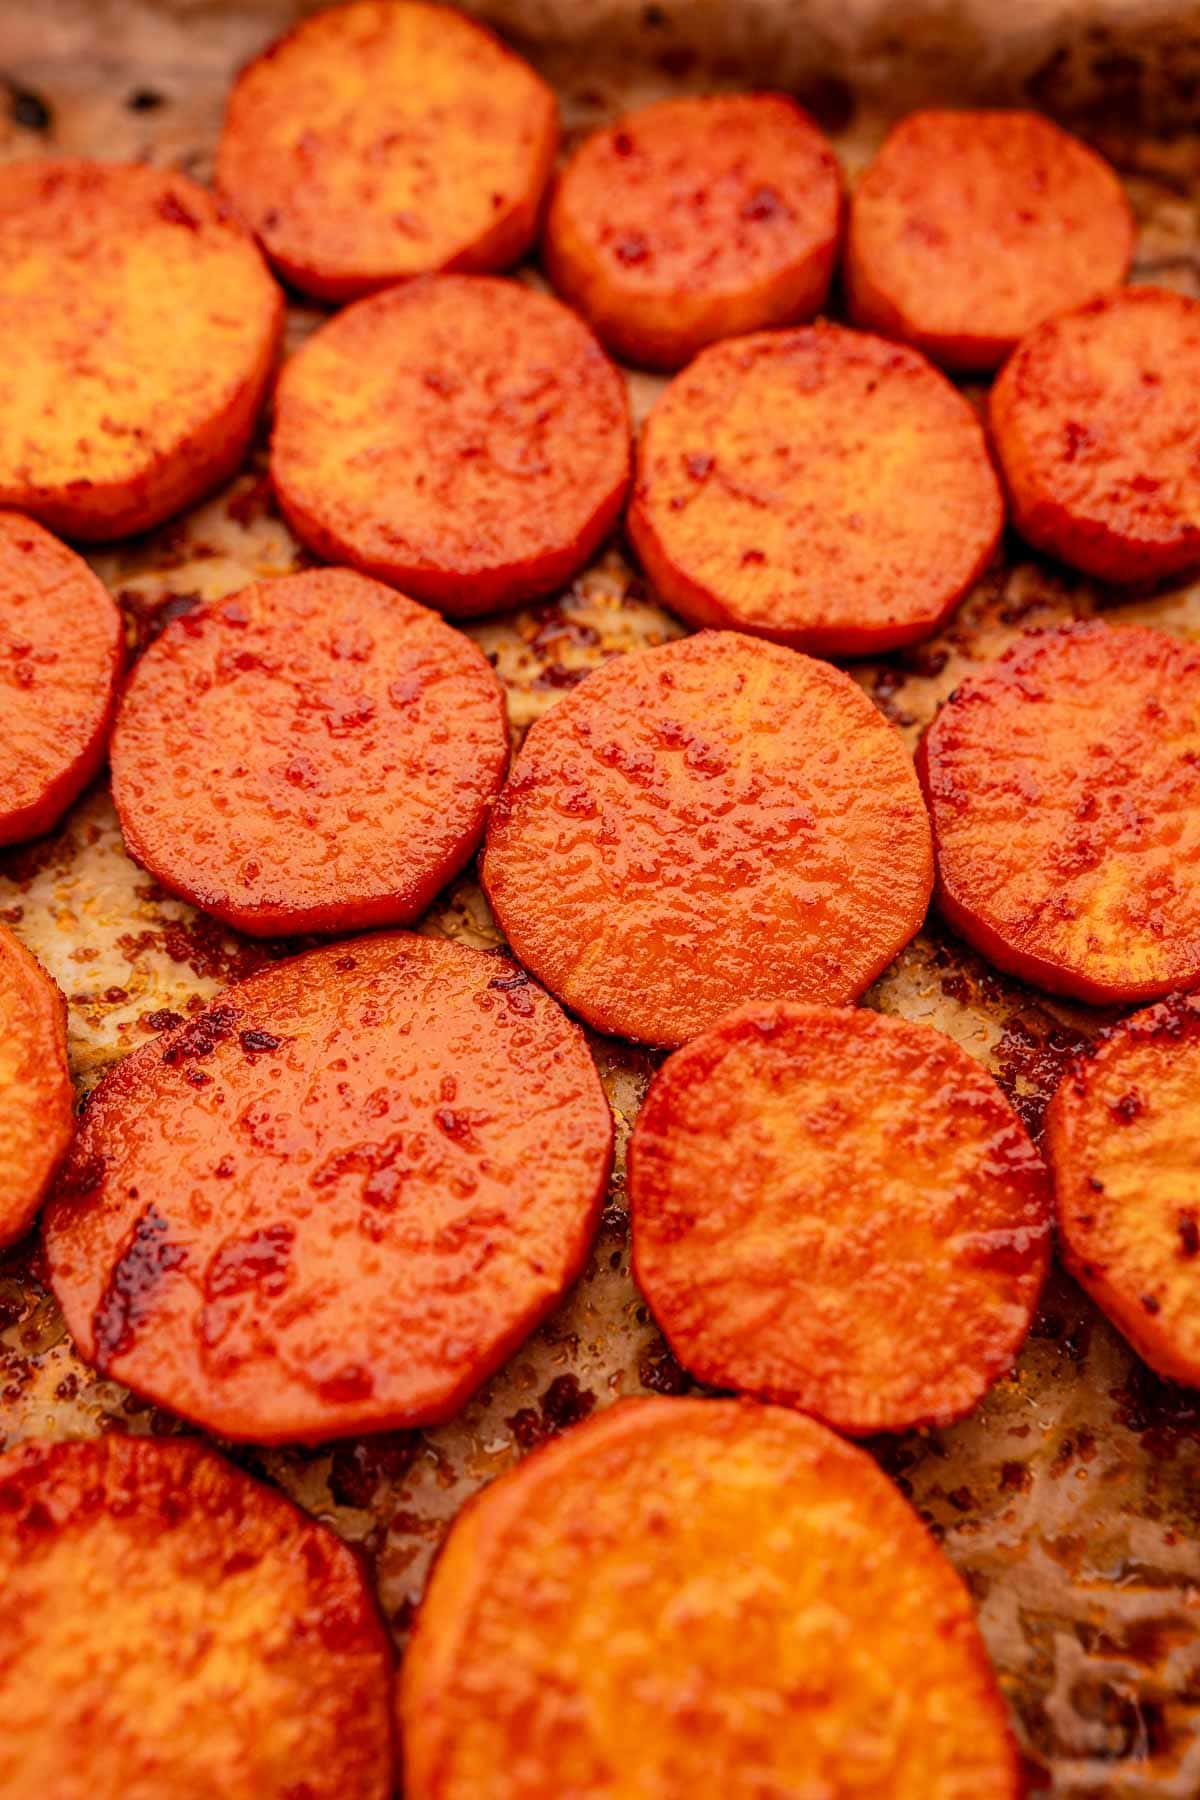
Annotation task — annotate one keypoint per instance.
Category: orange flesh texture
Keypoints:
(1064, 787)
(336, 1199)
(820, 487)
(172, 1627)
(61, 650)
(686, 1597)
(970, 228)
(147, 324)
(713, 821)
(693, 220)
(1123, 1140)
(316, 753)
(464, 438)
(376, 142)
(37, 1109)
(1094, 424)
(838, 1211)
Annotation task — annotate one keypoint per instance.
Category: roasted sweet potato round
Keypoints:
(714, 821)
(387, 139)
(688, 1597)
(172, 1627)
(970, 228)
(316, 753)
(61, 650)
(819, 487)
(141, 326)
(696, 219)
(466, 439)
(337, 1198)
(1123, 1141)
(839, 1211)
(1064, 787)
(37, 1110)
(1095, 427)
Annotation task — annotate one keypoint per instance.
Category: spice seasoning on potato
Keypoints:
(37, 1105)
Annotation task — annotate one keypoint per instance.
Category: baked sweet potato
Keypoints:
(37, 1105)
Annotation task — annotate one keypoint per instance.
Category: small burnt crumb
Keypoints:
(1189, 1236)
(962, 1499)
(147, 1257)
(358, 1470)
(162, 1020)
(660, 1372)
(202, 1036)
(28, 110)
(257, 1043)
(563, 1404)
(145, 99)
(1015, 1478)
(1150, 1305)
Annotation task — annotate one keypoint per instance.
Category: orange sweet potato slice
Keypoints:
(1123, 1142)
(143, 324)
(970, 228)
(171, 1626)
(687, 1597)
(1094, 424)
(387, 139)
(316, 753)
(839, 1211)
(820, 487)
(464, 438)
(714, 821)
(1064, 787)
(337, 1198)
(696, 219)
(61, 650)
(37, 1109)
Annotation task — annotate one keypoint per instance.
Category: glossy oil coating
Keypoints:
(1095, 427)
(819, 486)
(839, 1211)
(173, 1630)
(37, 1104)
(689, 1597)
(970, 228)
(695, 219)
(1123, 1140)
(464, 438)
(1064, 787)
(713, 821)
(61, 650)
(315, 753)
(147, 324)
(387, 139)
(336, 1199)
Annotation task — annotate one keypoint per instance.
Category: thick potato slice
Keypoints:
(172, 1630)
(696, 219)
(387, 139)
(37, 1105)
(970, 228)
(820, 487)
(1123, 1140)
(1064, 787)
(686, 1597)
(142, 325)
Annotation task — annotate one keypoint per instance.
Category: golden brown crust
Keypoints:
(37, 1103)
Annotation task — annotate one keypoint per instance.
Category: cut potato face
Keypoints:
(694, 1596)
(693, 220)
(387, 139)
(147, 324)
(37, 1104)
(1123, 1140)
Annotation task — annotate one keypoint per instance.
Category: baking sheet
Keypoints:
(1071, 1499)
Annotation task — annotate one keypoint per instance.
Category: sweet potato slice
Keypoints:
(464, 438)
(819, 487)
(1094, 423)
(142, 326)
(61, 650)
(688, 1597)
(337, 1198)
(696, 219)
(387, 139)
(714, 821)
(839, 1211)
(37, 1111)
(1064, 787)
(316, 753)
(1123, 1141)
(970, 228)
(171, 1626)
